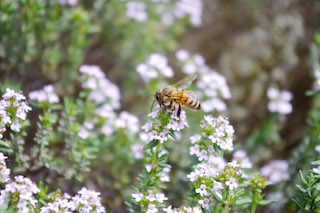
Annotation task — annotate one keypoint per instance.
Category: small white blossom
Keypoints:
(136, 10)
(232, 184)
(202, 190)
(137, 196)
(279, 101)
(276, 171)
(161, 197)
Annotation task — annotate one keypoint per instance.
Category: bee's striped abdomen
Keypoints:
(189, 99)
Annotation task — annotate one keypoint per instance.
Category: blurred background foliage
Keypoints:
(255, 44)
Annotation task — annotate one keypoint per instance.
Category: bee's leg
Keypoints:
(179, 110)
(170, 105)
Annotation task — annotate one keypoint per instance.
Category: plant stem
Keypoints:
(218, 208)
(155, 158)
(253, 208)
(254, 201)
(226, 207)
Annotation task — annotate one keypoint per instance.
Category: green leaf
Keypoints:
(302, 178)
(301, 188)
(151, 144)
(266, 202)
(6, 150)
(5, 144)
(316, 163)
(241, 202)
(218, 198)
(172, 134)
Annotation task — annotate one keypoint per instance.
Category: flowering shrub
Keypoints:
(77, 80)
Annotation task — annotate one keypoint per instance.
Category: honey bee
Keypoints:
(176, 96)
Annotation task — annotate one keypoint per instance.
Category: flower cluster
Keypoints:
(70, 2)
(150, 201)
(279, 101)
(84, 201)
(136, 10)
(184, 209)
(168, 11)
(4, 171)
(47, 94)
(214, 86)
(191, 64)
(128, 122)
(192, 8)
(240, 156)
(107, 96)
(276, 171)
(209, 181)
(211, 84)
(13, 108)
(19, 193)
(218, 130)
(171, 123)
(155, 65)
(101, 89)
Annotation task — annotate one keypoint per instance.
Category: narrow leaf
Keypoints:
(302, 178)
(151, 144)
(266, 202)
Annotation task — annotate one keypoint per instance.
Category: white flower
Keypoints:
(231, 183)
(316, 170)
(204, 203)
(127, 121)
(279, 101)
(202, 190)
(137, 196)
(193, 8)
(46, 94)
(154, 65)
(15, 126)
(151, 197)
(161, 197)
(152, 208)
(195, 138)
(147, 126)
(83, 133)
(182, 55)
(276, 171)
(317, 148)
(137, 150)
(136, 10)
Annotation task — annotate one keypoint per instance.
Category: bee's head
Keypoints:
(157, 96)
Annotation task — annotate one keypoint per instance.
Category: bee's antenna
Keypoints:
(152, 105)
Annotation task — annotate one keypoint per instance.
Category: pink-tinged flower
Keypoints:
(15, 126)
(240, 156)
(195, 138)
(155, 65)
(161, 197)
(202, 190)
(279, 101)
(152, 208)
(137, 150)
(83, 133)
(137, 196)
(205, 203)
(147, 126)
(316, 170)
(151, 197)
(191, 8)
(232, 184)
(276, 171)
(136, 10)
(46, 94)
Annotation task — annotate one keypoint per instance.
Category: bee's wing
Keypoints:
(186, 82)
